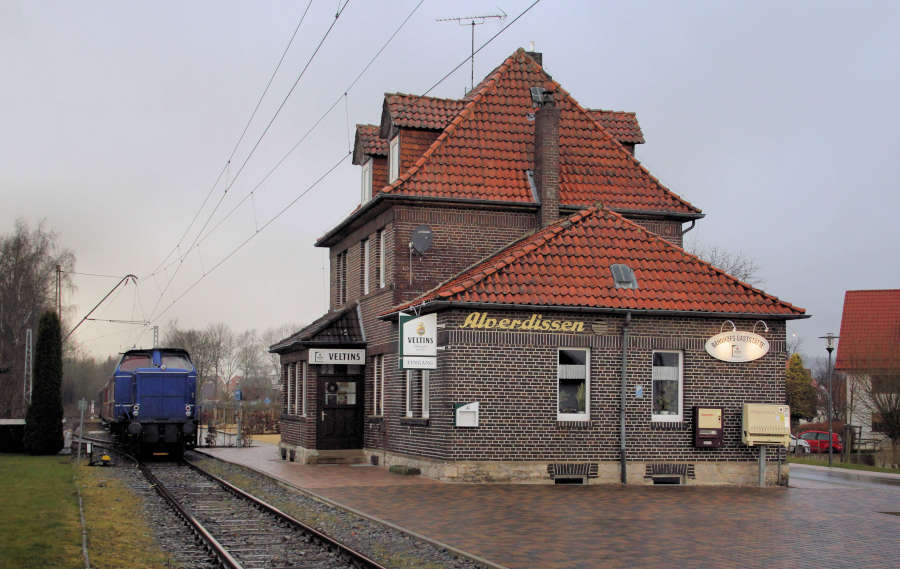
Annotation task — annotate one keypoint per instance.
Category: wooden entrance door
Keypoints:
(340, 413)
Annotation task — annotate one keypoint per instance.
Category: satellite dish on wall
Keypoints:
(421, 239)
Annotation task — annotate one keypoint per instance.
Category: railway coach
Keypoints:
(150, 401)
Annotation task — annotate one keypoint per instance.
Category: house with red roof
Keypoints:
(868, 355)
(510, 301)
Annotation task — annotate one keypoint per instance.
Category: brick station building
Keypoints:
(564, 304)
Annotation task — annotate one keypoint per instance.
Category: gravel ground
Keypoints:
(170, 532)
(388, 546)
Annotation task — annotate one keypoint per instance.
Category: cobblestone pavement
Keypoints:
(568, 527)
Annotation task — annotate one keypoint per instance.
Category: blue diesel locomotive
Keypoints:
(150, 401)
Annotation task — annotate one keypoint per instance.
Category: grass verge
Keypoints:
(838, 464)
(39, 522)
(118, 535)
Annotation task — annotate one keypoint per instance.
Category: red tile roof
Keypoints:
(368, 143)
(870, 331)
(487, 148)
(567, 264)
(413, 111)
(622, 125)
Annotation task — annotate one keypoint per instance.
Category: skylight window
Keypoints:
(623, 276)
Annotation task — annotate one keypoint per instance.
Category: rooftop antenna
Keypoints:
(473, 21)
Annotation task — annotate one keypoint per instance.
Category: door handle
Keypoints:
(323, 415)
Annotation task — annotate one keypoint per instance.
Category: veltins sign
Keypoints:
(418, 342)
(318, 356)
(737, 346)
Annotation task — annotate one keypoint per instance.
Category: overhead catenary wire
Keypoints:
(240, 138)
(250, 238)
(253, 150)
(326, 174)
(303, 138)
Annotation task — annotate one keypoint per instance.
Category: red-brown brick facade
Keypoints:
(517, 262)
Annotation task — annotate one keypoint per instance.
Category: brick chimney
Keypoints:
(546, 157)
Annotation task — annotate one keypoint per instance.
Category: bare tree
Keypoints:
(28, 261)
(737, 264)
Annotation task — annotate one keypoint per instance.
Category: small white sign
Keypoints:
(737, 346)
(318, 356)
(418, 362)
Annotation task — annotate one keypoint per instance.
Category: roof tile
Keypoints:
(487, 148)
(568, 264)
(870, 331)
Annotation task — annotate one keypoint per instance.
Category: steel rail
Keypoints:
(348, 554)
(212, 543)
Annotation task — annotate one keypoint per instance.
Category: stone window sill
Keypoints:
(375, 419)
(414, 421)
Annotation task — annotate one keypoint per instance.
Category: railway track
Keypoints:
(241, 531)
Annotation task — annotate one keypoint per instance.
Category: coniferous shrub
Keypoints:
(43, 422)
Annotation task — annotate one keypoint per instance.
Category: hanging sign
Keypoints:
(417, 347)
(737, 346)
(318, 356)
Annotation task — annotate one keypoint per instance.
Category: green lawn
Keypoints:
(39, 522)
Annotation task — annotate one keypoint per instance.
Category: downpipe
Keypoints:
(622, 396)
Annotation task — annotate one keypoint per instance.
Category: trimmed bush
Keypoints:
(43, 423)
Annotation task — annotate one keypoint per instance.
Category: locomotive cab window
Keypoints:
(133, 362)
(176, 361)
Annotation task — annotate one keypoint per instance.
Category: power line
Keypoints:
(475, 52)
(253, 149)
(257, 232)
(303, 137)
(240, 138)
(156, 316)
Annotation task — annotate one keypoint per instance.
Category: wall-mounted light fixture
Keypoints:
(765, 326)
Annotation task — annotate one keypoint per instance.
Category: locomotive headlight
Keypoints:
(187, 410)
(136, 409)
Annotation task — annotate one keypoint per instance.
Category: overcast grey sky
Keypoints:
(779, 120)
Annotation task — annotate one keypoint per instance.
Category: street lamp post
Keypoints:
(829, 347)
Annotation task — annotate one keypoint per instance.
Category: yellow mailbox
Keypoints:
(765, 424)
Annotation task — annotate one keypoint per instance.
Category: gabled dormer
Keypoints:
(370, 151)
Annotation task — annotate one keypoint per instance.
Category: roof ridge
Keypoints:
(630, 156)
(449, 129)
(704, 262)
(527, 244)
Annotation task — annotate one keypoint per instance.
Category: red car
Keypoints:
(818, 441)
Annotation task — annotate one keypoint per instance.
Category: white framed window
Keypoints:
(573, 384)
(378, 386)
(426, 398)
(381, 256)
(366, 190)
(290, 391)
(298, 385)
(284, 387)
(667, 386)
(409, 410)
(394, 159)
(365, 266)
(303, 390)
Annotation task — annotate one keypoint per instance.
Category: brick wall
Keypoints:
(513, 376)
(461, 238)
(667, 229)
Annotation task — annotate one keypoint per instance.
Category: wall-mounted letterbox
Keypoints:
(766, 424)
(708, 427)
(466, 414)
